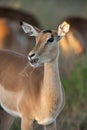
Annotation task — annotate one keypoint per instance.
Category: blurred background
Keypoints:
(73, 49)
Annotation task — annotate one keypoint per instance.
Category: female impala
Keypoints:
(36, 92)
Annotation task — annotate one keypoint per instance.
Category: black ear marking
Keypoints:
(21, 23)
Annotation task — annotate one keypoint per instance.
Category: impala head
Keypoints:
(46, 48)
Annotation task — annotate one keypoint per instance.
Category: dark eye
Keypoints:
(50, 40)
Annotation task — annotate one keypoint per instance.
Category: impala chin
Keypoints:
(34, 62)
(35, 65)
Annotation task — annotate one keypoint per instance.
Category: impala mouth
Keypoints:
(34, 62)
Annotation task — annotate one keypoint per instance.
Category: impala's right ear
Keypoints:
(63, 30)
(29, 29)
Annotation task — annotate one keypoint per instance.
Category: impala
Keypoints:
(30, 88)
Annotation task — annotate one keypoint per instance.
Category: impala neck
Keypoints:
(52, 90)
(51, 76)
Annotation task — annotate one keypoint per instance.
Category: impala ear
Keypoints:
(29, 29)
(63, 29)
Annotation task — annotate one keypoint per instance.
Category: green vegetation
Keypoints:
(76, 84)
(16, 125)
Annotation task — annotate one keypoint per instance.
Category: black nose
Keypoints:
(31, 55)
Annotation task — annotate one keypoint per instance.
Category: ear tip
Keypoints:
(65, 23)
(21, 23)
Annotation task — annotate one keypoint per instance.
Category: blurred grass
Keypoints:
(16, 125)
(76, 85)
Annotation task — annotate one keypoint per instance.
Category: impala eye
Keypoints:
(50, 40)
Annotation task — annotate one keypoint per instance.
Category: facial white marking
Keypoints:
(11, 112)
(35, 65)
(29, 58)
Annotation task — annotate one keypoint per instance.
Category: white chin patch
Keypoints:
(35, 65)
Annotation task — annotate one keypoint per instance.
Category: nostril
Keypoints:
(32, 55)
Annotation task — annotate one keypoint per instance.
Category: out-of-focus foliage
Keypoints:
(16, 125)
(76, 84)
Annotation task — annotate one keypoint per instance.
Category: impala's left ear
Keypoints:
(62, 30)
(29, 29)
